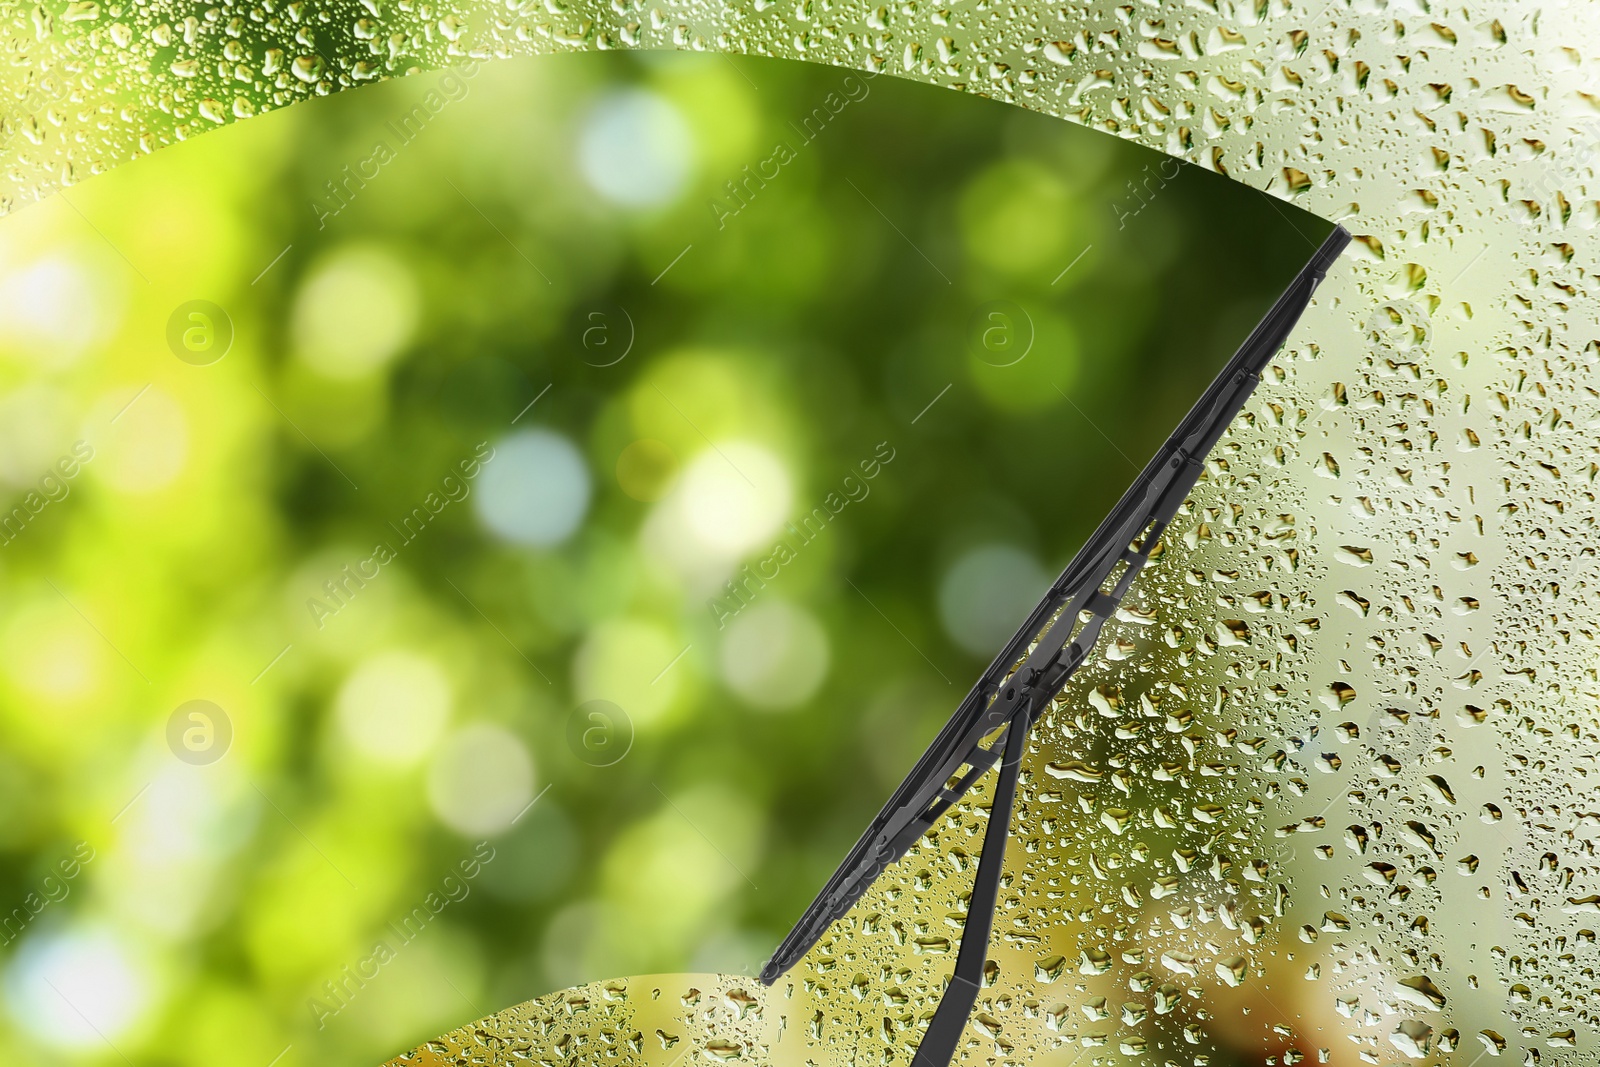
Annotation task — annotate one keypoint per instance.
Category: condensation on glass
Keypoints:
(1326, 795)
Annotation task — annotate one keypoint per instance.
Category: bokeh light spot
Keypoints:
(1014, 218)
(393, 706)
(987, 594)
(148, 445)
(355, 311)
(621, 661)
(51, 655)
(53, 310)
(536, 489)
(75, 989)
(635, 149)
(645, 469)
(734, 497)
(774, 655)
(1044, 378)
(34, 421)
(481, 778)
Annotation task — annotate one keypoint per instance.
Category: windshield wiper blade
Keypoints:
(1034, 665)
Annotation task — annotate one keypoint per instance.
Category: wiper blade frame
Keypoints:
(1034, 665)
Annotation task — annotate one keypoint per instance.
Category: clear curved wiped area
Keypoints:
(1322, 791)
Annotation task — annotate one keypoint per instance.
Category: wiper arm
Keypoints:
(1034, 665)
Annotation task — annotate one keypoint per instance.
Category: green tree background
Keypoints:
(954, 327)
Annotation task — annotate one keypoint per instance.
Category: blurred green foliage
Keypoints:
(517, 383)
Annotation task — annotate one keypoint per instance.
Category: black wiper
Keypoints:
(1057, 636)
